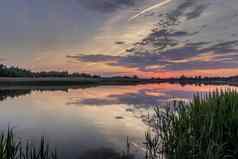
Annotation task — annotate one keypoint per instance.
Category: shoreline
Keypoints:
(89, 81)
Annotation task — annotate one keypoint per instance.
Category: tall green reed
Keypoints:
(206, 128)
(11, 148)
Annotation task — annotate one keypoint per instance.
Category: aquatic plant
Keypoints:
(11, 148)
(206, 128)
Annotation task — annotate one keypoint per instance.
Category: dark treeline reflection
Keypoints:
(4, 94)
(18, 91)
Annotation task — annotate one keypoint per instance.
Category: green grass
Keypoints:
(11, 148)
(206, 128)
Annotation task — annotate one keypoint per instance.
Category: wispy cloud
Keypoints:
(187, 57)
(158, 5)
(107, 6)
(190, 9)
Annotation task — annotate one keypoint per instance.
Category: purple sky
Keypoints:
(97, 36)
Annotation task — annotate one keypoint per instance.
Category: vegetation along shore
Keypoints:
(17, 76)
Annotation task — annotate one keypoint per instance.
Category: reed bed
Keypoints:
(206, 128)
(11, 148)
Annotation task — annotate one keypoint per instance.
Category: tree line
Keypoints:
(12, 71)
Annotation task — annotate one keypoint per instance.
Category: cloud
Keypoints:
(94, 58)
(196, 12)
(166, 34)
(107, 6)
(190, 56)
(158, 5)
(187, 57)
(160, 39)
(190, 9)
(120, 42)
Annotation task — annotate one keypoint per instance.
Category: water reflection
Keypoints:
(105, 153)
(141, 96)
(82, 120)
(5, 93)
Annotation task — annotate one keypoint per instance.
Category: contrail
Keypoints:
(150, 8)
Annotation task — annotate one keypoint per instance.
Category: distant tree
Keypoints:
(14, 72)
(135, 77)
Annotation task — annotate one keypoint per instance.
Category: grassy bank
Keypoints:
(207, 128)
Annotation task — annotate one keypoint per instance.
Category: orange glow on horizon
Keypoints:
(60, 63)
(104, 69)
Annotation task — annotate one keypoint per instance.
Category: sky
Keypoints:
(148, 38)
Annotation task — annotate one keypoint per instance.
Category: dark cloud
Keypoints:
(158, 40)
(164, 35)
(196, 12)
(190, 9)
(94, 58)
(120, 42)
(190, 56)
(107, 5)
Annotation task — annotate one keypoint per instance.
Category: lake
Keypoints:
(80, 121)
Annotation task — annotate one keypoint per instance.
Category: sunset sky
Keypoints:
(121, 37)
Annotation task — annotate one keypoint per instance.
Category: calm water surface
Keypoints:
(78, 121)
